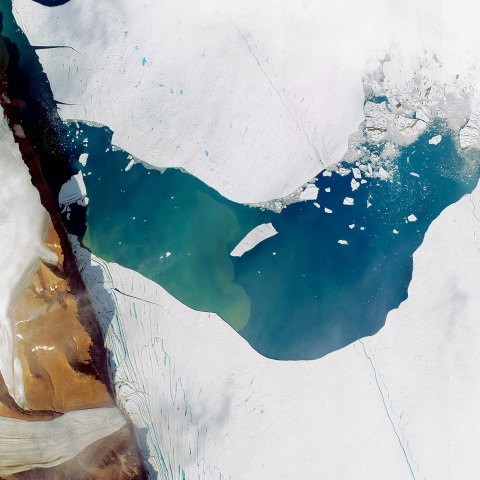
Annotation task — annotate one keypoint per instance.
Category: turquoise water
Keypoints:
(300, 294)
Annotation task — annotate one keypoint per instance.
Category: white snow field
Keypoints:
(255, 98)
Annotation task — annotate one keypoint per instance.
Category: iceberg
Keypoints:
(253, 238)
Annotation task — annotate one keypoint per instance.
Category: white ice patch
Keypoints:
(83, 159)
(309, 193)
(73, 191)
(435, 140)
(253, 238)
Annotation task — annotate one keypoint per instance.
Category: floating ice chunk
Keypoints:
(354, 184)
(83, 159)
(327, 173)
(357, 173)
(435, 140)
(383, 174)
(395, 231)
(343, 242)
(316, 204)
(343, 171)
(73, 191)
(414, 174)
(348, 201)
(351, 226)
(327, 210)
(131, 163)
(168, 254)
(310, 192)
(328, 189)
(412, 218)
(253, 238)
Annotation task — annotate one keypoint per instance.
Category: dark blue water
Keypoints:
(300, 294)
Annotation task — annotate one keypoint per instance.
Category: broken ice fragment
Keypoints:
(435, 140)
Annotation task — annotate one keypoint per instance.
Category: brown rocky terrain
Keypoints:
(59, 342)
(53, 346)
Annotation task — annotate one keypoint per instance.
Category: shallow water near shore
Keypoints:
(300, 294)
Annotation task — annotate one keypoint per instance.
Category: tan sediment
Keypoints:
(53, 345)
(113, 458)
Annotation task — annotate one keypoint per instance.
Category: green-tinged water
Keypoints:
(300, 294)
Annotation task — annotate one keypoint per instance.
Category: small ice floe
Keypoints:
(83, 159)
(316, 204)
(327, 173)
(309, 193)
(348, 201)
(362, 228)
(369, 204)
(414, 174)
(412, 218)
(168, 254)
(343, 171)
(383, 174)
(395, 231)
(351, 226)
(253, 238)
(357, 173)
(327, 210)
(73, 191)
(130, 164)
(342, 242)
(362, 181)
(435, 140)
(328, 189)
(354, 184)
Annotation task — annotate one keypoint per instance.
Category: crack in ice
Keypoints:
(386, 410)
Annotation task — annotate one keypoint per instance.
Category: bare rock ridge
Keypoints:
(58, 341)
